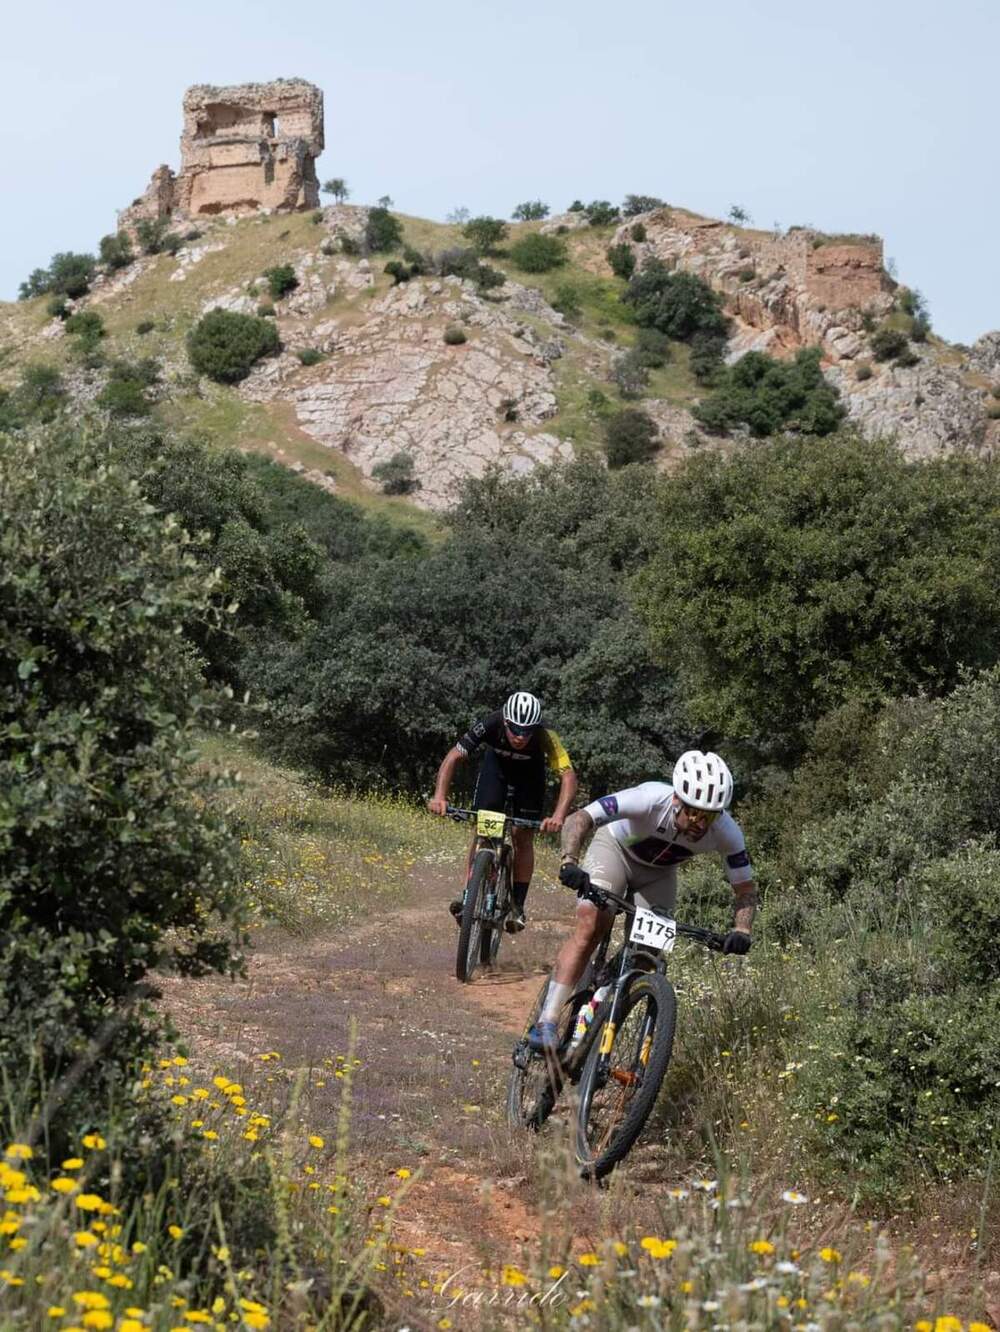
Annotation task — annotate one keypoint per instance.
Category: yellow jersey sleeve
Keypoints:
(555, 753)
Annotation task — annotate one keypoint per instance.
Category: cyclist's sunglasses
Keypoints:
(705, 816)
(520, 730)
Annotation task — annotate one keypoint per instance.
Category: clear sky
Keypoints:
(860, 116)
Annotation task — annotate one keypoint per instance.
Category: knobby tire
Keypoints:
(489, 947)
(469, 938)
(625, 1106)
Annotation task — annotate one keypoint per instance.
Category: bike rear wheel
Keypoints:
(470, 934)
(619, 1087)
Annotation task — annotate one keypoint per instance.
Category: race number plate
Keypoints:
(653, 931)
(489, 823)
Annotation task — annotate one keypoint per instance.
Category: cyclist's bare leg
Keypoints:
(590, 926)
(524, 854)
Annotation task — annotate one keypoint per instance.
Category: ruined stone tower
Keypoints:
(242, 148)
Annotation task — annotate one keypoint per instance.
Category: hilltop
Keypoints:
(527, 373)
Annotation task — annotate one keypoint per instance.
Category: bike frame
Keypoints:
(502, 848)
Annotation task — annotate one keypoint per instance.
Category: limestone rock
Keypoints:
(926, 408)
(569, 221)
(985, 355)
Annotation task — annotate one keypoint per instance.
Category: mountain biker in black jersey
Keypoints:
(519, 746)
(642, 835)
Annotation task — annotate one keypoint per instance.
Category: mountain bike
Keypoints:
(616, 1039)
(487, 900)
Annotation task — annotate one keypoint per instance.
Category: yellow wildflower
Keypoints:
(513, 1276)
(63, 1184)
(761, 1246)
(947, 1324)
(403, 1173)
(72, 1163)
(384, 1201)
(555, 1272)
(316, 1141)
(139, 1247)
(256, 1320)
(84, 1239)
(131, 1325)
(89, 1202)
(197, 1316)
(620, 1249)
(18, 1151)
(91, 1299)
(56, 1311)
(588, 1260)
(99, 1318)
(834, 1255)
(175, 1232)
(94, 1142)
(657, 1248)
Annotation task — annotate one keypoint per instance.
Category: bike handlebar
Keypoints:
(466, 815)
(602, 896)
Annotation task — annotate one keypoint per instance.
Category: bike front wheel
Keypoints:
(623, 1074)
(470, 935)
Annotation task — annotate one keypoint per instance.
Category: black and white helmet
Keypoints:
(522, 709)
(703, 781)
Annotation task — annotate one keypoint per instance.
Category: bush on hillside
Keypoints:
(87, 327)
(465, 263)
(532, 211)
(601, 213)
(309, 355)
(765, 395)
(629, 374)
(827, 557)
(68, 274)
(567, 300)
(629, 437)
(115, 252)
(652, 348)
(678, 304)
(484, 234)
(454, 335)
(40, 395)
(114, 858)
(887, 343)
(382, 232)
(225, 345)
(280, 280)
(638, 232)
(708, 351)
(124, 394)
(622, 260)
(640, 203)
(395, 475)
(536, 253)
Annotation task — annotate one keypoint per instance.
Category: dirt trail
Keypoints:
(435, 1056)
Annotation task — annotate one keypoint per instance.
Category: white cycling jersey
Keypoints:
(641, 819)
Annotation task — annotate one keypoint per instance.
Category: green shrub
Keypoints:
(863, 371)
(465, 263)
(144, 326)
(115, 251)
(887, 343)
(224, 345)
(828, 559)
(123, 398)
(640, 203)
(396, 475)
(629, 374)
(454, 335)
(601, 213)
(652, 348)
(309, 355)
(57, 307)
(622, 260)
(638, 232)
(399, 272)
(382, 232)
(280, 280)
(532, 211)
(39, 396)
(629, 437)
(114, 857)
(576, 207)
(678, 304)
(567, 300)
(747, 274)
(906, 358)
(352, 247)
(765, 395)
(993, 411)
(597, 400)
(87, 327)
(536, 253)
(151, 234)
(336, 186)
(484, 234)
(706, 359)
(266, 310)
(68, 274)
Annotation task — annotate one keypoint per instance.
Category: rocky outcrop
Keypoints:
(243, 148)
(984, 357)
(393, 385)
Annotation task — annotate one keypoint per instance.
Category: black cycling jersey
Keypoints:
(522, 771)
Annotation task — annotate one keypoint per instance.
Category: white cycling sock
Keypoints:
(554, 1000)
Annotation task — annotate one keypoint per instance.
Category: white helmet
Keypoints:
(522, 709)
(703, 780)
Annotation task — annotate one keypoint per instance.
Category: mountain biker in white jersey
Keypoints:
(643, 834)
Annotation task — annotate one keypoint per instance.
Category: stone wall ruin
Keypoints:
(243, 148)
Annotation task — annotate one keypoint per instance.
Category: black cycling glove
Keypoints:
(574, 877)
(736, 942)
